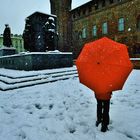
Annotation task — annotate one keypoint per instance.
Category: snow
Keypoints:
(129, 29)
(7, 48)
(66, 110)
(19, 74)
(48, 52)
(38, 36)
(51, 30)
(58, 52)
(51, 18)
(135, 59)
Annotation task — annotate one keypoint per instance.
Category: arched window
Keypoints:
(121, 24)
(94, 31)
(138, 23)
(84, 32)
(80, 34)
(104, 28)
(75, 35)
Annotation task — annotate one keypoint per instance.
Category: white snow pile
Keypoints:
(58, 52)
(66, 110)
(7, 48)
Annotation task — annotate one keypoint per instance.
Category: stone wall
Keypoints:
(7, 51)
(36, 61)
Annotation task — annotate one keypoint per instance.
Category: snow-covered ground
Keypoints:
(66, 110)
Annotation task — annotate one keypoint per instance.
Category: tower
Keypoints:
(61, 8)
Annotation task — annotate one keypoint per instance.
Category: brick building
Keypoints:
(116, 19)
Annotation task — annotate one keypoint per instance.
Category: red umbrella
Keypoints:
(104, 65)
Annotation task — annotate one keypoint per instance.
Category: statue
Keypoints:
(51, 36)
(40, 33)
(7, 36)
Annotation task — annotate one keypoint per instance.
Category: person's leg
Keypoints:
(99, 112)
(105, 122)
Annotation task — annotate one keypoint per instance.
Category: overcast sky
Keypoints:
(14, 12)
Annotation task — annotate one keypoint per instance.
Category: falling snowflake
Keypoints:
(129, 29)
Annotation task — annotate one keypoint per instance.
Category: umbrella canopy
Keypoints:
(104, 65)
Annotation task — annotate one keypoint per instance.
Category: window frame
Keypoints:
(138, 23)
(94, 31)
(105, 28)
(121, 24)
(84, 33)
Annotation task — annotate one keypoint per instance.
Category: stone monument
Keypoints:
(7, 36)
(40, 33)
(50, 34)
(7, 48)
(40, 40)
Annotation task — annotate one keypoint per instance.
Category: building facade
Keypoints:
(17, 42)
(116, 19)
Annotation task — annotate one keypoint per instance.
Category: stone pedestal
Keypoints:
(37, 61)
(4, 51)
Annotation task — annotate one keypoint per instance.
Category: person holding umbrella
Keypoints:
(103, 66)
(103, 106)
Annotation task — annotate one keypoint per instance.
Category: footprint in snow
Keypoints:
(38, 106)
(8, 111)
(64, 102)
(51, 106)
(22, 134)
(60, 116)
(30, 112)
(15, 106)
(43, 116)
(72, 129)
(1, 107)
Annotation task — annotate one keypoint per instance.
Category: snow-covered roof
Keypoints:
(7, 48)
(37, 12)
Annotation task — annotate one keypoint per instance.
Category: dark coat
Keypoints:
(105, 96)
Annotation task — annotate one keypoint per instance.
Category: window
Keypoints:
(76, 37)
(16, 44)
(94, 30)
(74, 16)
(89, 9)
(80, 35)
(96, 6)
(20, 42)
(79, 12)
(104, 28)
(138, 23)
(84, 11)
(121, 24)
(111, 1)
(84, 33)
(103, 3)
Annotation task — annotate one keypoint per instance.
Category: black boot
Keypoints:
(104, 128)
(97, 123)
